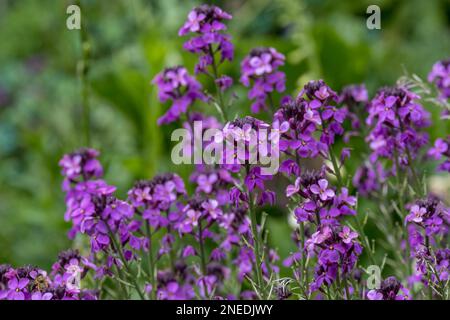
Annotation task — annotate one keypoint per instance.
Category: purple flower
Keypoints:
(369, 177)
(374, 295)
(441, 149)
(390, 289)
(41, 296)
(82, 163)
(212, 209)
(416, 214)
(347, 235)
(224, 82)
(189, 251)
(430, 214)
(170, 292)
(206, 22)
(322, 190)
(397, 119)
(261, 67)
(336, 252)
(176, 85)
(159, 193)
(205, 19)
(293, 189)
(255, 179)
(17, 288)
(305, 211)
(440, 76)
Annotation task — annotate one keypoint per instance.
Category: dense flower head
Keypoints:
(215, 182)
(397, 121)
(390, 289)
(260, 66)
(430, 214)
(205, 19)
(442, 264)
(318, 90)
(31, 283)
(176, 85)
(244, 138)
(431, 265)
(197, 210)
(321, 204)
(355, 98)
(354, 94)
(440, 76)
(297, 123)
(337, 250)
(369, 177)
(157, 193)
(206, 22)
(309, 124)
(195, 120)
(441, 149)
(81, 164)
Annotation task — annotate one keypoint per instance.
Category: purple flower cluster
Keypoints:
(163, 243)
(156, 196)
(311, 114)
(176, 85)
(440, 76)
(390, 289)
(429, 222)
(321, 204)
(213, 182)
(369, 177)
(337, 251)
(261, 68)
(441, 149)
(335, 245)
(397, 118)
(431, 215)
(241, 136)
(31, 283)
(432, 266)
(82, 164)
(207, 23)
(355, 99)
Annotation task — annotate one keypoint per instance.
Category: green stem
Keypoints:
(118, 250)
(151, 262)
(256, 243)
(419, 189)
(271, 103)
(347, 291)
(218, 90)
(336, 170)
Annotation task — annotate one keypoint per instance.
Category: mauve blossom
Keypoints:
(440, 76)
(206, 22)
(321, 189)
(397, 119)
(17, 288)
(261, 68)
(430, 214)
(439, 150)
(176, 85)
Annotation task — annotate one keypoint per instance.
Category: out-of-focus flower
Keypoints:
(176, 85)
(261, 67)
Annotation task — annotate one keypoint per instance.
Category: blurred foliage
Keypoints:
(130, 41)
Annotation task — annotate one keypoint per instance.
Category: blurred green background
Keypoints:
(130, 41)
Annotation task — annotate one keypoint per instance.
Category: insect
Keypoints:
(40, 283)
